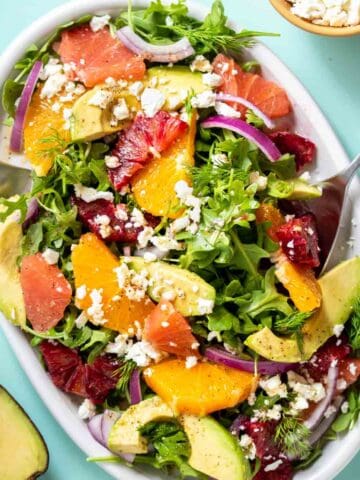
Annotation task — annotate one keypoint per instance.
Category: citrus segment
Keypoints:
(46, 292)
(199, 390)
(95, 277)
(267, 213)
(44, 133)
(154, 186)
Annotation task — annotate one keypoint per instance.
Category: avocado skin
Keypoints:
(340, 288)
(214, 451)
(23, 437)
(11, 297)
(181, 279)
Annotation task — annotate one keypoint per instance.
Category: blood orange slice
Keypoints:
(46, 292)
(169, 331)
(97, 56)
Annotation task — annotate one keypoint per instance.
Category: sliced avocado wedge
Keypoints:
(23, 452)
(125, 436)
(340, 288)
(293, 189)
(190, 294)
(214, 451)
(90, 122)
(11, 297)
(176, 83)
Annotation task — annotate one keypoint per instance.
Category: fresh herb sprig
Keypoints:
(292, 436)
(354, 326)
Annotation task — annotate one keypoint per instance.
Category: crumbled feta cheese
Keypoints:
(180, 224)
(89, 194)
(214, 335)
(251, 399)
(87, 409)
(136, 88)
(169, 295)
(353, 369)
(111, 161)
(220, 159)
(99, 22)
(53, 85)
(345, 407)
(56, 107)
(151, 101)
(259, 180)
(120, 346)
(169, 21)
(191, 361)
(142, 353)
(248, 446)
(273, 386)
(67, 114)
(201, 64)
(145, 236)
(334, 13)
(101, 98)
(149, 257)
(273, 413)
(205, 99)
(133, 284)
(164, 243)
(205, 306)
(185, 194)
(273, 466)
(103, 222)
(341, 384)
(81, 292)
(50, 256)
(211, 79)
(137, 218)
(95, 311)
(120, 111)
(338, 329)
(81, 320)
(52, 67)
(225, 110)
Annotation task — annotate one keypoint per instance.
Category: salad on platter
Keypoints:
(164, 265)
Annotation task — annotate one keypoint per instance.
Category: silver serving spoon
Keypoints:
(14, 180)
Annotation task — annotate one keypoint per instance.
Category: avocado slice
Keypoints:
(23, 452)
(176, 83)
(11, 297)
(125, 436)
(214, 451)
(293, 189)
(340, 288)
(192, 296)
(90, 122)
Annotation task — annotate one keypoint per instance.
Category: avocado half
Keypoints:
(340, 288)
(23, 451)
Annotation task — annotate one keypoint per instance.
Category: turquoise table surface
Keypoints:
(329, 68)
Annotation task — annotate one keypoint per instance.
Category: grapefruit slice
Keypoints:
(94, 266)
(167, 330)
(146, 138)
(98, 55)
(200, 390)
(267, 96)
(46, 292)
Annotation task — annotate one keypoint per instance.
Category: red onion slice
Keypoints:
(33, 211)
(225, 97)
(109, 417)
(251, 133)
(135, 387)
(238, 425)
(155, 53)
(264, 367)
(16, 139)
(316, 416)
(327, 422)
(94, 427)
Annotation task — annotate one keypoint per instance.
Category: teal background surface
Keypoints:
(328, 67)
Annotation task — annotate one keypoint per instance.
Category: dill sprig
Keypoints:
(292, 437)
(125, 371)
(292, 323)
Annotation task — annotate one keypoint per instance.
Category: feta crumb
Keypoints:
(86, 410)
(180, 224)
(50, 256)
(345, 407)
(95, 311)
(99, 22)
(214, 335)
(205, 306)
(67, 114)
(111, 161)
(225, 110)
(353, 369)
(120, 346)
(81, 292)
(103, 222)
(145, 236)
(273, 413)
(52, 67)
(101, 98)
(248, 446)
(89, 194)
(205, 99)
(220, 159)
(169, 21)
(151, 101)
(341, 384)
(56, 107)
(191, 361)
(201, 64)
(165, 243)
(169, 295)
(338, 329)
(259, 180)
(137, 218)
(211, 79)
(120, 111)
(149, 257)
(273, 466)
(142, 353)
(81, 320)
(136, 88)
(273, 386)
(53, 85)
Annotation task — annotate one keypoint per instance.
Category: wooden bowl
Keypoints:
(283, 7)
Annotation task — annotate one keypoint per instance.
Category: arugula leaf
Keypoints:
(221, 319)
(10, 93)
(247, 256)
(346, 421)
(13, 204)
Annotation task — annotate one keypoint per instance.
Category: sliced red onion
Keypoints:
(248, 131)
(225, 97)
(327, 422)
(109, 417)
(238, 425)
(32, 213)
(316, 416)
(94, 427)
(155, 53)
(264, 367)
(135, 387)
(16, 139)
